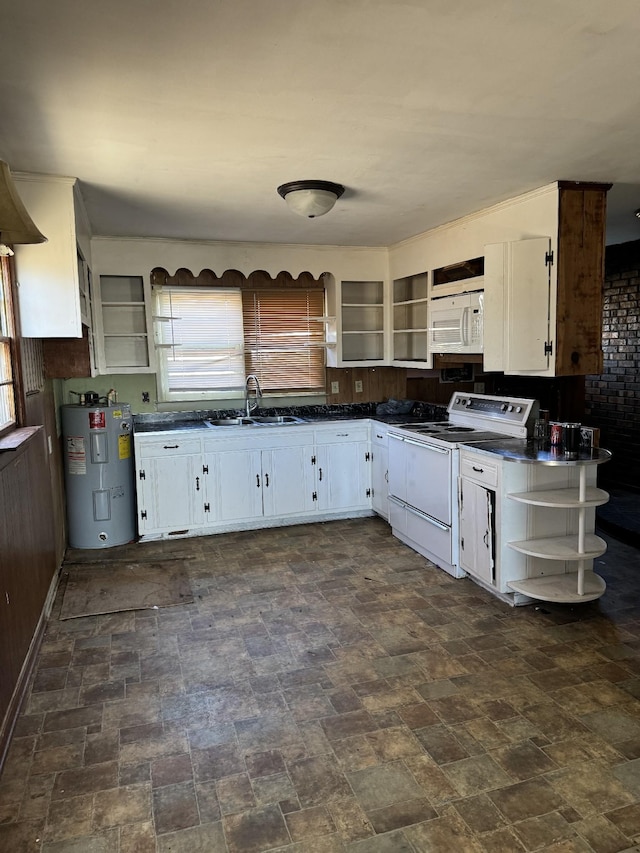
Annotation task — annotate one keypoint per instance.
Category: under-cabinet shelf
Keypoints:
(561, 588)
(561, 547)
(564, 498)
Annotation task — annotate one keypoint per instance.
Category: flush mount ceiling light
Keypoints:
(637, 213)
(310, 198)
(16, 226)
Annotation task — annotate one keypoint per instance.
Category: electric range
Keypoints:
(424, 467)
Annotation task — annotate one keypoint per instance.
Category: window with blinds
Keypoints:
(200, 347)
(209, 339)
(284, 339)
(7, 390)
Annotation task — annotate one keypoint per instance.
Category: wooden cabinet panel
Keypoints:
(28, 562)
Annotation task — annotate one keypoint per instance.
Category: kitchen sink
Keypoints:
(258, 420)
(277, 419)
(229, 422)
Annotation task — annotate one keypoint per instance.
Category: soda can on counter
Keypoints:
(555, 435)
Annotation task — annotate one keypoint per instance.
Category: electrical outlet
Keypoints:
(358, 385)
(145, 397)
(335, 387)
(478, 387)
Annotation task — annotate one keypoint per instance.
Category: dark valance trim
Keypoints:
(233, 278)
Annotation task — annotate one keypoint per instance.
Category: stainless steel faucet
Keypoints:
(258, 393)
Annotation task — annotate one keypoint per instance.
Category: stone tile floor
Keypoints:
(330, 691)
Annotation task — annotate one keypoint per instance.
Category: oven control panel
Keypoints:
(502, 412)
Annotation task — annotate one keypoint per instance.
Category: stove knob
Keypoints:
(509, 408)
(503, 407)
(518, 409)
(468, 404)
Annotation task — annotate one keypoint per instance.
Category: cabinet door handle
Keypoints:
(319, 473)
(386, 476)
(266, 481)
(170, 446)
(197, 484)
(258, 480)
(479, 470)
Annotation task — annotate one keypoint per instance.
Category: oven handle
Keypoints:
(427, 446)
(426, 517)
(397, 437)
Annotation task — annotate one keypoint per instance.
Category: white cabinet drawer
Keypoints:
(379, 435)
(479, 468)
(171, 445)
(348, 431)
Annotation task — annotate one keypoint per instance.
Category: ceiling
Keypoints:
(180, 119)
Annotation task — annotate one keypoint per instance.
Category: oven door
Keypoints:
(420, 475)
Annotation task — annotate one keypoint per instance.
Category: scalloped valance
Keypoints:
(256, 280)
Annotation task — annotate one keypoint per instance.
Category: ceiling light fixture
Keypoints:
(16, 226)
(310, 198)
(637, 213)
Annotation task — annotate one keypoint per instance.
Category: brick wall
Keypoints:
(612, 400)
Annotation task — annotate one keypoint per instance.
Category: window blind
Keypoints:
(284, 338)
(199, 340)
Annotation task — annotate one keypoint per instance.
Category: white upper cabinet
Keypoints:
(518, 306)
(410, 321)
(360, 318)
(543, 295)
(53, 277)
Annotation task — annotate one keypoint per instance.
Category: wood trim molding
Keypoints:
(256, 280)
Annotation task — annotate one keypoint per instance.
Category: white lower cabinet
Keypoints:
(343, 467)
(208, 481)
(478, 502)
(170, 485)
(247, 484)
(380, 470)
(234, 484)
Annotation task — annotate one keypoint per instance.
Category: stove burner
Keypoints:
(460, 429)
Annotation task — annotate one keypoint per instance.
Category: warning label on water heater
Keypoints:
(76, 455)
(124, 446)
(97, 420)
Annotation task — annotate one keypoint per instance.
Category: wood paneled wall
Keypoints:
(28, 565)
(378, 384)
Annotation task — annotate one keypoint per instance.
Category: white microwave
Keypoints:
(456, 323)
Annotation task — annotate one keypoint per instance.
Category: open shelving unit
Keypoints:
(124, 323)
(580, 548)
(410, 312)
(362, 316)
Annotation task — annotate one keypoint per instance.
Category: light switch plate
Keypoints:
(358, 384)
(335, 387)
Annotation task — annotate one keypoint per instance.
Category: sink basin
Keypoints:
(277, 419)
(229, 421)
(254, 421)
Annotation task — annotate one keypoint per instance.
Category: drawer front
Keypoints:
(259, 438)
(429, 534)
(344, 432)
(480, 469)
(379, 435)
(172, 445)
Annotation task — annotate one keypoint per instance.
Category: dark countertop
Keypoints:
(531, 452)
(169, 422)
